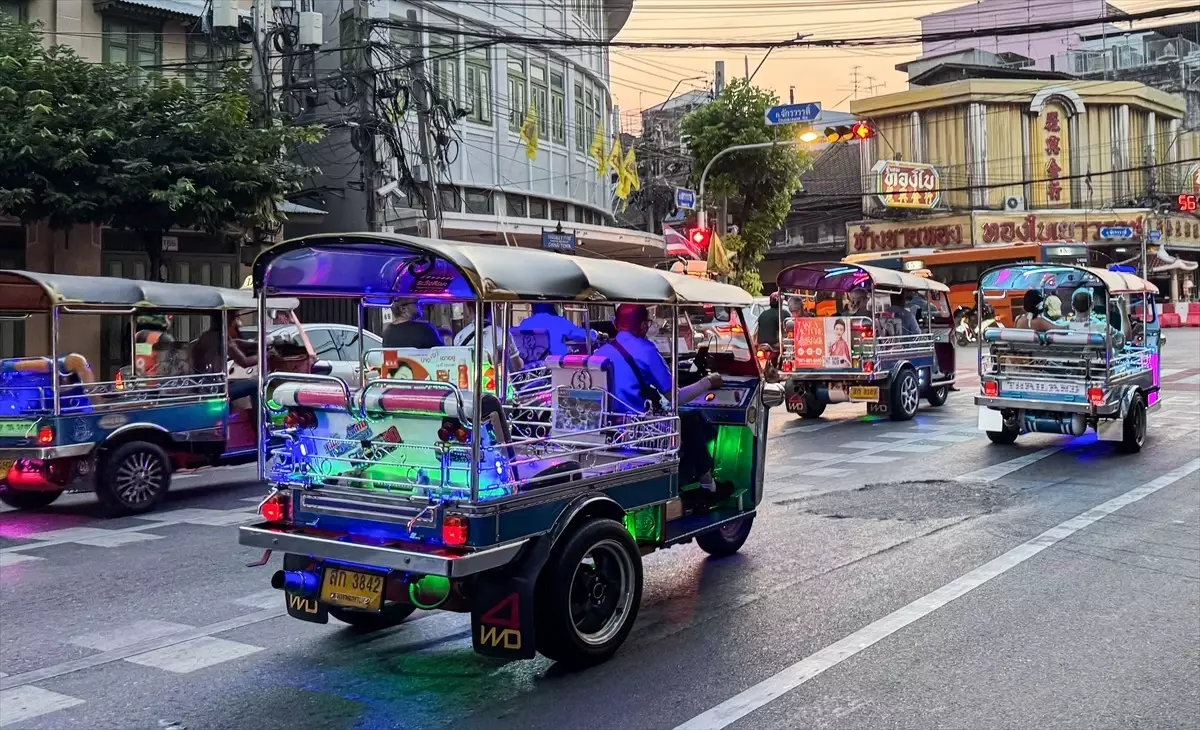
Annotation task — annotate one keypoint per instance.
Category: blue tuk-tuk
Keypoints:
(447, 481)
(1086, 357)
(147, 407)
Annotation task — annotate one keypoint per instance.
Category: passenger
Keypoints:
(1052, 316)
(1033, 305)
(766, 330)
(562, 330)
(859, 303)
(641, 380)
(207, 356)
(491, 337)
(407, 329)
(1085, 318)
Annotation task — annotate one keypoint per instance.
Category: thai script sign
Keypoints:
(943, 233)
(907, 184)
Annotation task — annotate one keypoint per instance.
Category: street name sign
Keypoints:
(1116, 232)
(793, 113)
(685, 199)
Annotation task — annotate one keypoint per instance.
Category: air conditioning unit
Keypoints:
(1014, 202)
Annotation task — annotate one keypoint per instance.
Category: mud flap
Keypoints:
(305, 608)
(502, 606)
(878, 409)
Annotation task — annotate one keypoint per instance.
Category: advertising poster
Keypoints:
(824, 343)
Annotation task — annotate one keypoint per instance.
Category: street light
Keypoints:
(809, 135)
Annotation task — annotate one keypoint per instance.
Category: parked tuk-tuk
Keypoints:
(1087, 356)
(464, 479)
(156, 403)
(854, 333)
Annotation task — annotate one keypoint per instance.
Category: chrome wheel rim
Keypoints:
(731, 530)
(601, 595)
(909, 395)
(139, 477)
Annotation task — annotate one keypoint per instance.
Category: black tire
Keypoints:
(813, 408)
(904, 395)
(1004, 438)
(133, 478)
(29, 500)
(1133, 435)
(937, 395)
(558, 636)
(726, 539)
(369, 621)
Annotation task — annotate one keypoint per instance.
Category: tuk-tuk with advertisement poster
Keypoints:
(852, 333)
(1084, 354)
(446, 481)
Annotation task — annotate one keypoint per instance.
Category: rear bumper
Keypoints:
(1025, 404)
(46, 453)
(414, 558)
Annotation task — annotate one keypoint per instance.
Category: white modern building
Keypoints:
(489, 189)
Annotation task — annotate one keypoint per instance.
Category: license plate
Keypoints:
(1043, 387)
(16, 429)
(352, 589)
(5, 465)
(864, 392)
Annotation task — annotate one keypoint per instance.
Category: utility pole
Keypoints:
(367, 128)
(433, 201)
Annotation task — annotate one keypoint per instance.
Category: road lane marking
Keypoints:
(1004, 468)
(101, 537)
(190, 656)
(123, 636)
(772, 688)
(22, 703)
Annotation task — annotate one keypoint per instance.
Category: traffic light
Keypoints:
(860, 130)
(700, 238)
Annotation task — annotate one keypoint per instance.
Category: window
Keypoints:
(587, 119)
(132, 43)
(479, 85)
(404, 43)
(577, 123)
(515, 205)
(558, 211)
(597, 105)
(479, 201)
(201, 70)
(517, 105)
(443, 56)
(14, 9)
(541, 98)
(323, 345)
(579, 214)
(537, 208)
(451, 199)
(346, 342)
(558, 107)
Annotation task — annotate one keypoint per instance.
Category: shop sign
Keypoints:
(1052, 144)
(1079, 227)
(1194, 176)
(910, 185)
(942, 233)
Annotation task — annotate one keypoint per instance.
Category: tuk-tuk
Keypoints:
(148, 407)
(449, 482)
(854, 333)
(1087, 356)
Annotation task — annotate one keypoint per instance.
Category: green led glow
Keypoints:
(733, 454)
(429, 592)
(645, 525)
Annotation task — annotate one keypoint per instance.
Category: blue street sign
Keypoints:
(1116, 232)
(561, 242)
(794, 113)
(685, 199)
(1155, 236)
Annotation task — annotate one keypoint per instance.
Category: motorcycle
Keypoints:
(768, 361)
(965, 332)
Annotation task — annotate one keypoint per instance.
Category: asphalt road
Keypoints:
(899, 575)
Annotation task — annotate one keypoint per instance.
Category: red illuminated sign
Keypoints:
(1187, 202)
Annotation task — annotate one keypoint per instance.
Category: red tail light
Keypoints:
(991, 388)
(1096, 396)
(462, 435)
(275, 507)
(300, 418)
(868, 366)
(454, 530)
(45, 435)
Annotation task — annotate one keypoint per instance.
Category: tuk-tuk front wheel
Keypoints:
(937, 395)
(133, 478)
(29, 500)
(589, 594)
(726, 539)
(905, 395)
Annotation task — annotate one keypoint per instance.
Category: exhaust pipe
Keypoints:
(299, 582)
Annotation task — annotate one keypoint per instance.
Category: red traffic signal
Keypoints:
(700, 238)
(862, 130)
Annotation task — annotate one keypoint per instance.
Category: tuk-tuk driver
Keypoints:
(206, 355)
(641, 378)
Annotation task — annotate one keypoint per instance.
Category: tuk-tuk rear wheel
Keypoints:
(904, 396)
(1133, 434)
(813, 408)
(726, 539)
(937, 395)
(29, 500)
(588, 595)
(1004, 438)
(133, 478)
(368, 621)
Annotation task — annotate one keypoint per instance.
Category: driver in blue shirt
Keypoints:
(642, 382)
(561, 330)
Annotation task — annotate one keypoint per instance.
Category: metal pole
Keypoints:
(702, 215)
(433, 203)
(476, 385)
(260, 457)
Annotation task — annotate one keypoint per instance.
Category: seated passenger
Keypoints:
(492, 338)
(562, 330)
(1033, 305)
(407, 329)
(859, 303)
(1084, 319)
(641, 378)
(908, 322)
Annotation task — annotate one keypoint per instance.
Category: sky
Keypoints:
(644, 77)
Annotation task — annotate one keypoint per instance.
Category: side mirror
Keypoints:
(322, 367)
(772, 395)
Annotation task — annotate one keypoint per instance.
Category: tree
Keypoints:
(61, 115)
(759, 183)
(202, 158)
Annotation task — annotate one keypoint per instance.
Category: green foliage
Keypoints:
(759, 183)
(90, 143)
